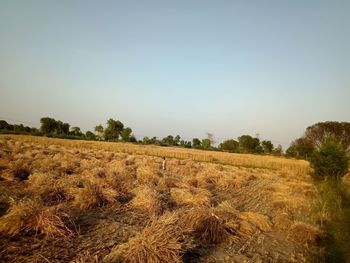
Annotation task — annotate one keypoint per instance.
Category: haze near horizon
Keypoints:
(187, 67)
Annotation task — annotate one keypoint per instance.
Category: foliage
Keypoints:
(318, 133)
(90, 135)
(4, 125)
(300, 148)
(48, 125)
(75, 131)
(229, 146)
(334, 211)
(196, 143)
(168, 141)
(113, 130)
(177, 139)
(99, 128)
(248, 144)
(330, 160)
(267, 146)
(206, 143)
(62, 128)
(126, 134)
(51, 126)
(186, 144)
(278, 150)
(146, 140)
(132, 139)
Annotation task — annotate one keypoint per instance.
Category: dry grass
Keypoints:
(146, 201)
(246, 160)
(206, 226)
(190, 196)
(52, 191)
(29, 217)
(160, 242)
(303, 232)
(260, 221)
(86, 257)
(93, 196)
(224, 208)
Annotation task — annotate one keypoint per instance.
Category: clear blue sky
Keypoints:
(177, 67)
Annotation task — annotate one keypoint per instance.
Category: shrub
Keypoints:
(330, 160)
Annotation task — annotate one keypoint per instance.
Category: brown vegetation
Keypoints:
(29, 217)
(206, 207)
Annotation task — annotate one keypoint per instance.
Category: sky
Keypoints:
(184, 67)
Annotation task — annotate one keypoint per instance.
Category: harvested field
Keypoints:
(79, 201)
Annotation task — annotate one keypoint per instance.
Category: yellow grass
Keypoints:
(160, 242)
(245, 160)
(206, 206)
(30, 217)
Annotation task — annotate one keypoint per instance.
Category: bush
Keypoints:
(330, 160)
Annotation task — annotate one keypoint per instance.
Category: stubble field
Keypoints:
(79, 201)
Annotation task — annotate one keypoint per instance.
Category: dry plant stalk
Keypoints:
(159, 242)
(146, 201)
(93, 196)
(29, 217)
(206, 226)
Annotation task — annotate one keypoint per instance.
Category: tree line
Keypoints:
(115, 130)
(316, 135)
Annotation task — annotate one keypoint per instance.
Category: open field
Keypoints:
(64, 201)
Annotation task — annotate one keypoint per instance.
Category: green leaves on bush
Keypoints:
(330, 160)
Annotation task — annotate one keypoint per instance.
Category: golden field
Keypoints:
(83, 201)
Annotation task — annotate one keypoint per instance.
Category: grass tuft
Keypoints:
(29, 217)
(159, 242)
(94, 196)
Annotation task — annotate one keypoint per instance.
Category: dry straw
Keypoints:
(159, 242)
(29, 217)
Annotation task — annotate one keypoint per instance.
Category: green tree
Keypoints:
(62, 128)
(126, 134)
(188, 144)
(301, 148)
(267, 146)
(18, 128)
(322, 131)
(278, 150)
(330, 160)
(113, 130)
(48, 125)
(177, 139)
(248, 144)
(196, 143)
(146, 140)
(99, 128)
(206, 143)
(99, 131)
(4, 125)
(76, 131)
(229, 146)
(90, 135)
(132, 139)
(168, 141)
